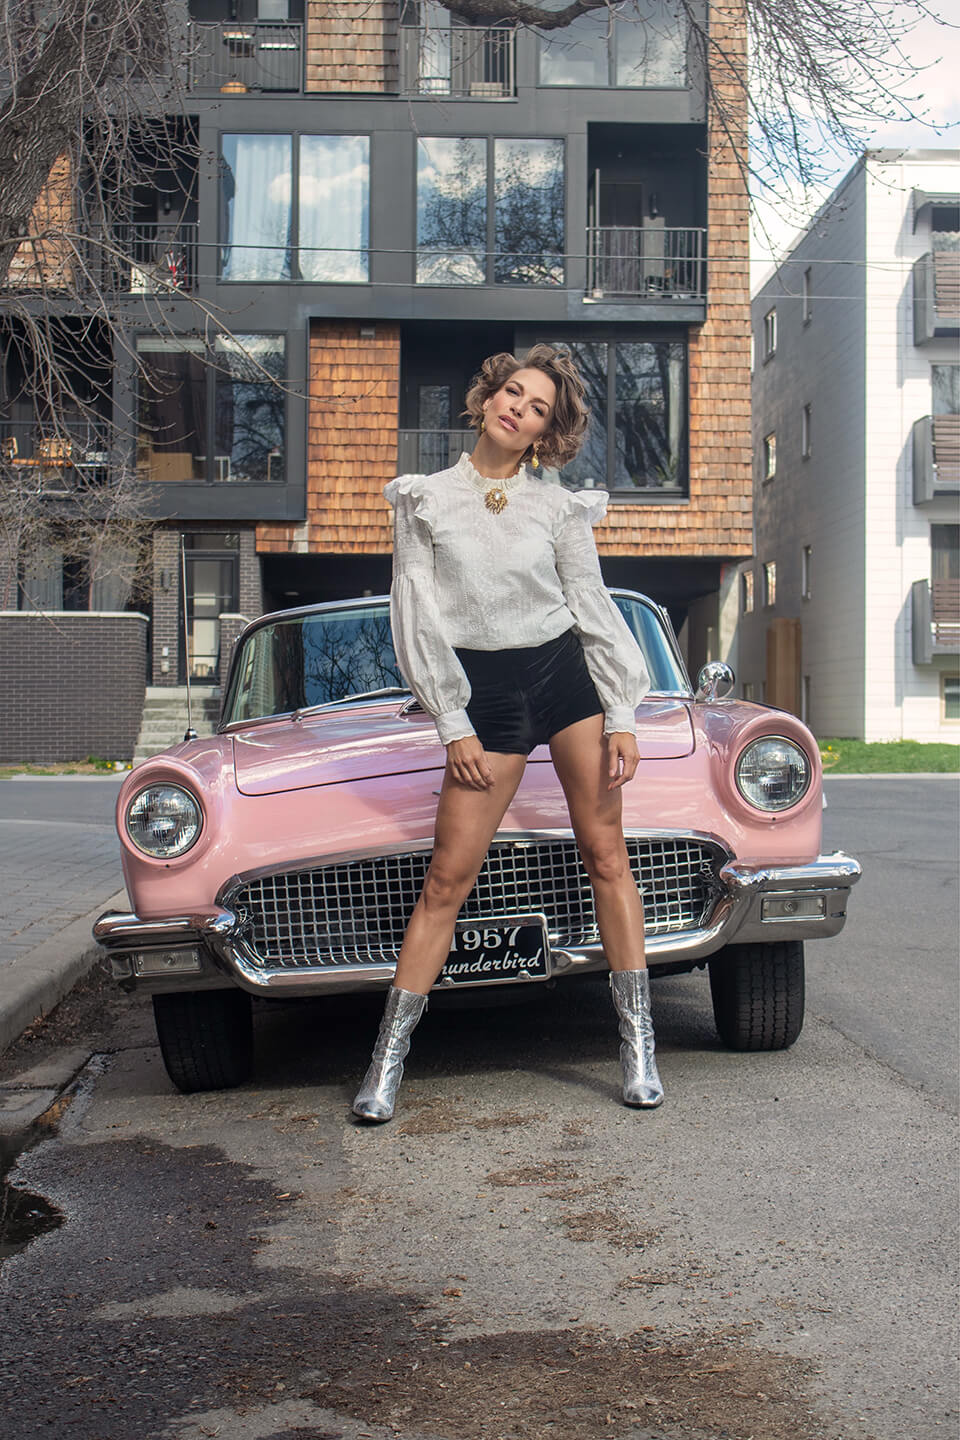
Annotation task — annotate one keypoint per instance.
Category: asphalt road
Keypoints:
(517, 1257)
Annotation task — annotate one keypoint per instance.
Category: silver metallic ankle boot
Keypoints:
(631, 996)
(378, 1093)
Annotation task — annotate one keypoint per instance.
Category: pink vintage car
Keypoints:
(283, 856)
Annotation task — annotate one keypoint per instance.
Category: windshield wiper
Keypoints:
(346, 700)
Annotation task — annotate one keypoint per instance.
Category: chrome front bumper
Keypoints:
(754, 905)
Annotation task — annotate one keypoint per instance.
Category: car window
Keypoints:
(312, 660)
(293, 663)
(666, 674)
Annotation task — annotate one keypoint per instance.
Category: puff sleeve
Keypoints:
(425, 656)
(613, 657)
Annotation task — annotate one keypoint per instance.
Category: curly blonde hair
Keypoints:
(562, 439)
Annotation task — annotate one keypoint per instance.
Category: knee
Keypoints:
(606, 862)
(445, 888)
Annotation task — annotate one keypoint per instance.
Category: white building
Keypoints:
(850, 608)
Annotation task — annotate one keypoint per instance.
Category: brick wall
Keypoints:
(717, 521)
(351, 443)
(73, 685)
(42, 262)
(351, 45)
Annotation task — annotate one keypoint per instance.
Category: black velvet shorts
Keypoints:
(520, 698)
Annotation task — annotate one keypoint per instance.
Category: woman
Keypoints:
(507, 637)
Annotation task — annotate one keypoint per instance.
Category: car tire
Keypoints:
(758, 994)
(206, 1038)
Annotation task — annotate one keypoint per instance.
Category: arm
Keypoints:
(613, 657)
(426, 658)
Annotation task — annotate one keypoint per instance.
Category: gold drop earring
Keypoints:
(535, 459)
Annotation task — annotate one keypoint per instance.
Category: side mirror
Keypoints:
(715, 681)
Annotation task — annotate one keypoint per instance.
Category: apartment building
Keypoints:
(850, 610)
(372, 197)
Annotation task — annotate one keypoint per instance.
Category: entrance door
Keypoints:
(211, 582)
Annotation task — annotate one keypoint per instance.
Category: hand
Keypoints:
(468, 764)
(624, 758)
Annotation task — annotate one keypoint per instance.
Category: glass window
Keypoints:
(806, 564)
(590, 466)
(651, 45)
(577, 54)
(769, 334)
(451, 211)
(945, 552)
(528, 199)
(641, 45)
(769, 456)
(650, 431)
(334, 191)
(249, 410)
(172, 408)
(806, 431)
(807, 294)
(255, 194)
(951, 697)
(746, 592)
(945, 386)
(770, 583)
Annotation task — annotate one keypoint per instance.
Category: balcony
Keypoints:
(462, 62)
(936, 294)
(54, 459)
(936, 458)
(151, 259)
(423, 452)
(233, 57)
(646, 262)
(935, 609)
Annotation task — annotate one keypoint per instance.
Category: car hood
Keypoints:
(367, 742)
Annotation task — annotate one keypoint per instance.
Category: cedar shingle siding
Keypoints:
(351, 45)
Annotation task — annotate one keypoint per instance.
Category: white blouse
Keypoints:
(466, 577)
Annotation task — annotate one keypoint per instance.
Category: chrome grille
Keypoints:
(355, 912)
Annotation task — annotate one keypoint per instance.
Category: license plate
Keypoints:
(498, 950)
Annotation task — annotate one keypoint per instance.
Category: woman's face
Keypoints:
(520, 412)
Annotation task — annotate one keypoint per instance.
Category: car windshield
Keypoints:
(300, 661)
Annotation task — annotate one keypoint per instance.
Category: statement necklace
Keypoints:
(496, 493)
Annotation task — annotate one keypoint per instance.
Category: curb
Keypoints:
(34, 983)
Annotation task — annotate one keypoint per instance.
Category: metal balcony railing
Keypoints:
(423, 452)
(646, 262)
(233, 57)
(150, 259)
(935, 607)
(936, 293)
(936, 458)
(464, 62)
(54, 458)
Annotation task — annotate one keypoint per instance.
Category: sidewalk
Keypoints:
(59, 869)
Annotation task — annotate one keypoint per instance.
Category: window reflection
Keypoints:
(255, 198)
(334, 195)
(249, 411)
(528, 195)
(590, 466)
(257, 222)
(651, 415)
(641, 45)
(451, 211)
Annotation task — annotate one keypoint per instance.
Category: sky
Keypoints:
(935, 50)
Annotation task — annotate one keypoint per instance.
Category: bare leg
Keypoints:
(580, 758)
(467, 821)
(596, 814)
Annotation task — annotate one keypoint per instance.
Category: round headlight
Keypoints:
(773, 773)
(163, 821)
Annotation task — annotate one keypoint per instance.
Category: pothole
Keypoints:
(24, 1216)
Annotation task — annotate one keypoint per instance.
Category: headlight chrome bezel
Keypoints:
(178, 850)
(752, 799)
